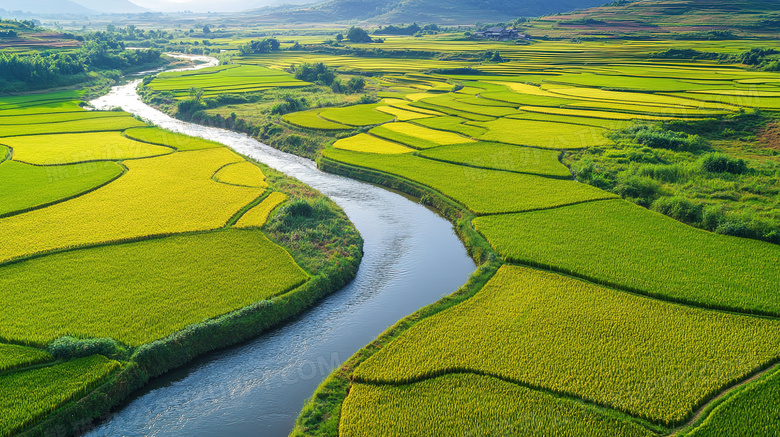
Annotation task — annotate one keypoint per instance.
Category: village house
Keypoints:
(500, 34)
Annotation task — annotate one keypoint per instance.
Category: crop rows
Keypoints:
(27, 396)
(242, 174)
(72, 148)
(542, 134)
(12, 356)
(140, 292)
(76, 126)
(370, 144)
(752, 411)
(312, 120)
(652, 359)
(471, 405)
(358, 115)
(26, 186)
(619, 243)
(158, 196)
(500, 156)
(419, 137)
(481, 191)
(155, 135)
(258, 216)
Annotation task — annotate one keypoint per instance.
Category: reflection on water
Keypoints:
(412, 258)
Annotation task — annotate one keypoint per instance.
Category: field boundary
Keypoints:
(65, 199)
(652, 426)
(158, 357)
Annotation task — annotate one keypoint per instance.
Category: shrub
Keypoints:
(721, 163)
(641, 189)
(680, 208)
(71, 347)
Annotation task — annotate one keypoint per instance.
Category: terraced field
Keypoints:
(637, 322)
(223, 79)
(120, 232)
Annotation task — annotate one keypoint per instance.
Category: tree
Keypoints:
(255, 47)
(358, 35)
(206, 30)
(339, 38)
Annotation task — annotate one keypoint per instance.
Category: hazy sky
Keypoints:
(210, 5)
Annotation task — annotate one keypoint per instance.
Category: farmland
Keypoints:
(486, 405)
(120, 235)
(603, 335)
(576, 172)
(29, 395)
(635, 313)
(651, 254)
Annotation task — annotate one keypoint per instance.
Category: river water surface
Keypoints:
(411, 258)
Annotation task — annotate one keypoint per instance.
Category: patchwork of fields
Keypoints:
(593, 316)
(671, 316)
(117, 231)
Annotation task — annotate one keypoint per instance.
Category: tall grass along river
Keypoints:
(412, 257)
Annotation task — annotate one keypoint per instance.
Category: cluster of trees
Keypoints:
(321, 74)
(356, 34)
(256, 47)
(412, 29)
(47, 69)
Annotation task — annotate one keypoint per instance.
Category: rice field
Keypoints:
(19, 120)
(452, 124)
(402, 114)
(358, 115)
(617, 242)
(159, 196)
(241, 174)
(144, 291)
(224, 78)
(12, 356)
(371, 144)
(651, 359)
(27, 186)
(548, 135)
(418, 137)
(498, 156)
(27, 396)
(473, 405)
(78, 148)
(155, 135)
(751, 411)
(102, 124)
(311, 120)
(258, 216)
(481, 191)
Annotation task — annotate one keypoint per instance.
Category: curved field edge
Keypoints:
(156, 358)
(321, 413)
(467, 404)
(180, 348)
(709, 414)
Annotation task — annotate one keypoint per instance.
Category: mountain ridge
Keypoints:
(428, 11)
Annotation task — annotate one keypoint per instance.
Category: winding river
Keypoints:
(412, 257)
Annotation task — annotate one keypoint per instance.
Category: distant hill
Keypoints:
(668, 17)
(111, 6)
(424, 11)
(45, 6)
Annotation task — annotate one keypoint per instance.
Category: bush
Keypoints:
(680, 208)
(641, 190)
(721, 163)
(356, 34)
(255, 47)
(317, 73)
(71, 347)
(656, 137)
